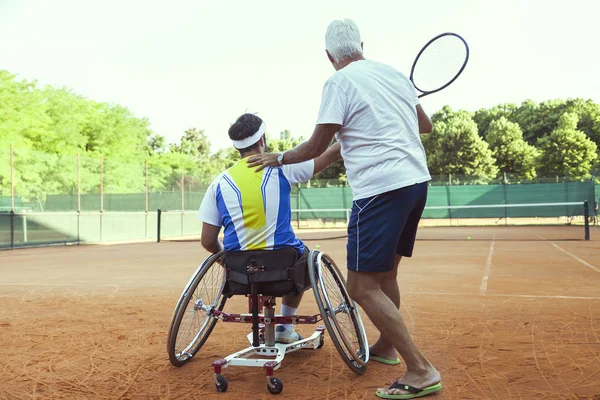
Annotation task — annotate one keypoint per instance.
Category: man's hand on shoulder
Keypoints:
(263, 160)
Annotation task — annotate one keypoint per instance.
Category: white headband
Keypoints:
(249, 141)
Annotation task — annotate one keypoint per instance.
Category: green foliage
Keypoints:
(484, 117)
(284, 143)
(568, 150)
(539, 120)
(513, 155)
(49, 127)
(447, 113)
(455, 147)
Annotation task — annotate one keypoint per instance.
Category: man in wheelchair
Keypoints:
(254, 207)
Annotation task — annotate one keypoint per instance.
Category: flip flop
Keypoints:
(413, 391)
(382, 360)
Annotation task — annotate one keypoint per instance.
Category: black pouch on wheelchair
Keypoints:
(275, 272)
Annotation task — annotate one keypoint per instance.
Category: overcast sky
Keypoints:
(200, 63)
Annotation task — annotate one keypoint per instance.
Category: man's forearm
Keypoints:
(314, 147)
(302, 152)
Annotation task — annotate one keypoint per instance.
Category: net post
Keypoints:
(159, 213)
(78, 195)
(101, 197)
(12, 198)
(505, 199)
(12, 180)
(567, 194)
(146, 210)
(12, 229)
(24, 226)
(101, 184)
(182, 198)
(147, 187)
(78, 184)
(449, 204)
(586, 215)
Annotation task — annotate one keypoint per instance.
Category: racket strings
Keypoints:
(439, 63)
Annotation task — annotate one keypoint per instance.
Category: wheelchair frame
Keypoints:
(262, 338)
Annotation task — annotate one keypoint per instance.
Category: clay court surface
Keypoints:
(500, 318)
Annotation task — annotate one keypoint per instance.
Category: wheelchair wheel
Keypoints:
(191, 324)
(339, 312)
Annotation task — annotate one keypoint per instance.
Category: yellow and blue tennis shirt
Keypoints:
(254, 207)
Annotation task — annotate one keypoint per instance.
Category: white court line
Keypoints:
(488, 267)
(577, 258)
(87, 285)
(526, 296)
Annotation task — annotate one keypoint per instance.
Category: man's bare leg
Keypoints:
(365, 289)
(388, 282)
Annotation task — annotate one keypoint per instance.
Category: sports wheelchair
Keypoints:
(262, 276)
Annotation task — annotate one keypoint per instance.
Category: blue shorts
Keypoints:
(383, 226)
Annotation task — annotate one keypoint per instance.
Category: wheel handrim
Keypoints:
(196, 320)
(347, 318)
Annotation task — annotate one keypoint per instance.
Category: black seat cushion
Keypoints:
(275, 272)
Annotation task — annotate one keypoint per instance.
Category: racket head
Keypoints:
(439, 63)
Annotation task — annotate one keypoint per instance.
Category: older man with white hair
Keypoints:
(373, 111)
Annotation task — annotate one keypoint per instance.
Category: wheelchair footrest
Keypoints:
(274, 353)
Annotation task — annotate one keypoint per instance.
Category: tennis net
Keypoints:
(532, 221)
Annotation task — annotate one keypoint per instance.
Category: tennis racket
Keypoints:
(439, 63)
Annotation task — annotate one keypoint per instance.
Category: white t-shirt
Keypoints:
(255, 207)
(376, 108)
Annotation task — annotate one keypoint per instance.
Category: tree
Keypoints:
(447, 113)
(157, 144)
(284, 143)
(49, 126)
(285, 135)
(484, 117)
(513, 155)
(567, 151)
(194, 144)
(538, 120)
(588, 113)
(455, 147)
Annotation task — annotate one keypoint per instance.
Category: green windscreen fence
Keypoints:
(54, 218)
(538, 193)
(126, 201)
(567, 192)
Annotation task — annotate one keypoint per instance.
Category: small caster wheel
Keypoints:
(321, 341)
(221, 383)
(276, 386)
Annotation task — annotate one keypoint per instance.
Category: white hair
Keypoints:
(342, 39)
